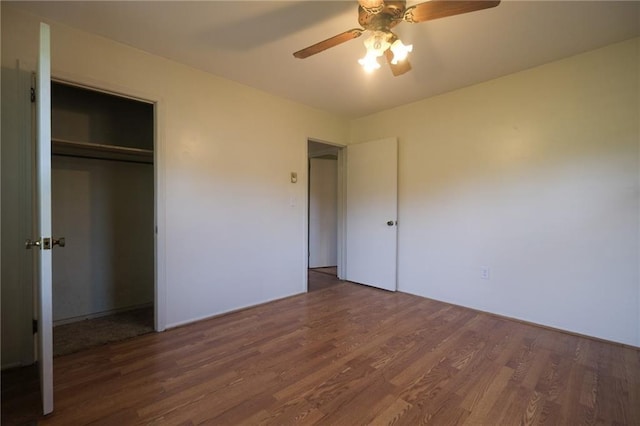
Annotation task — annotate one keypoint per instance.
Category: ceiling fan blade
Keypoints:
(399, 68)
(330, 42)
(442, 8)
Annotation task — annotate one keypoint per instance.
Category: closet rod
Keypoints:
(119, 160)
(100, 151)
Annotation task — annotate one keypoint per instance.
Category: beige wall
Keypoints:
(104, 209)
(231, 225)
(534, 175)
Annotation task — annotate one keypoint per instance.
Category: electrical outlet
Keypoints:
(484, 272)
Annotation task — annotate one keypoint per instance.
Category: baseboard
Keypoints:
(229, 312)
(560, 330)
(534, 324)
(11, 365)
(100, 314)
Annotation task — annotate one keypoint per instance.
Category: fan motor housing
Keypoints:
(389, 17)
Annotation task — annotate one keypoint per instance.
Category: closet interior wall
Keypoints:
(102, 203)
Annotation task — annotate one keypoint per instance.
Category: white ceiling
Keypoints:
(252, 42)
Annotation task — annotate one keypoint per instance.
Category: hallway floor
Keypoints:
(321, 278)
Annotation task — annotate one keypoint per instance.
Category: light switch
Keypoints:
(485, 272)
(294, 177)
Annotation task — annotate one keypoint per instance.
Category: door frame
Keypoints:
(341, 212)
(159, 177)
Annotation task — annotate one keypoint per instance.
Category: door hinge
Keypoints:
(33, 95)
(34, 326)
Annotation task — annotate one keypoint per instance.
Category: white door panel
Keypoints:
(371, 237)
(43, 219)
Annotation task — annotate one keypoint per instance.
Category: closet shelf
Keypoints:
(100, 151)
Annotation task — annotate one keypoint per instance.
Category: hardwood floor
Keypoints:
(321, 278)
(350, 355)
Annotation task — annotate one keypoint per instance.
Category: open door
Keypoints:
(372, 209)
(43, 242)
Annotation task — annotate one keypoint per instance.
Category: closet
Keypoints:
(102, 203)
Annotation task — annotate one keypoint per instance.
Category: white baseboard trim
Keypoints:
(100, 314)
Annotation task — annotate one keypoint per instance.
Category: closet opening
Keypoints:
(323, 206)
(103, 204)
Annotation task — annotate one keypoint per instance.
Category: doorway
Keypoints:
(323, 215)
(103, 212)
(367, 210)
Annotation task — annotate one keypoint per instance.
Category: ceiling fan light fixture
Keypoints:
(378, 43)
(400, 51)
(369, 62)
(376, 46)
(379, 17)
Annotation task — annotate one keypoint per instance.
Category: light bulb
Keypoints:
(369, 62)
(376, 46)
(400, 51)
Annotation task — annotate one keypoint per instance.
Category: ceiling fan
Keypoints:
(380, 16)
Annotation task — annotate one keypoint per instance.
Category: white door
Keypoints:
(323, 212)
(372, 209)
(43, 239)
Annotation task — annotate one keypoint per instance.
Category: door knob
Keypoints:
(390, 223)
(45, 244)
(28, 244)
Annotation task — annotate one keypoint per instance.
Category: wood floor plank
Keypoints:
(393, 414)
(359, 405)
(533, 410)
(343, 355)
(538, 364)
(631, 361)
(449, 411)
(482, 399)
